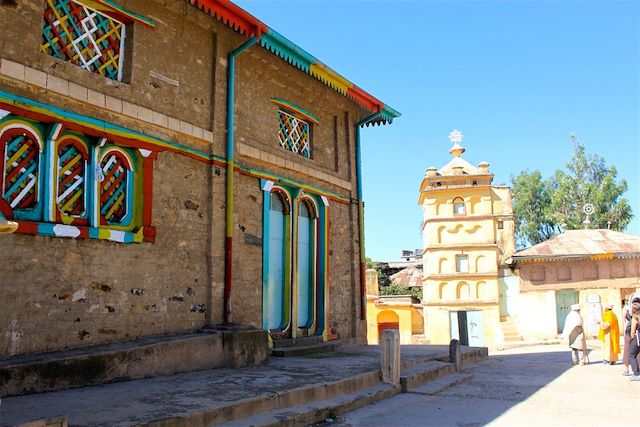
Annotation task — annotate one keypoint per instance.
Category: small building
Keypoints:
(468, 233)
(401, 312)
(592, 268)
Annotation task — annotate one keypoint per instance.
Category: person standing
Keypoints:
(609, 334)
(626, 316)
(574, 332)
(634, 345)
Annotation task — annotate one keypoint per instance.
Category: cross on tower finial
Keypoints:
(456, 137)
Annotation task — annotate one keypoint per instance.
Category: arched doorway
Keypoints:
(387, 319)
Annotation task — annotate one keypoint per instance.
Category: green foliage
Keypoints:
(383, 278)
(397, 289)
(542, 208)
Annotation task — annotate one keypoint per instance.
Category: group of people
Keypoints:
(609, 334)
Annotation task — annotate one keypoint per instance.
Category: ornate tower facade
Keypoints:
(467, 233)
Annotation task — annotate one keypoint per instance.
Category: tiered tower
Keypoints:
(467, 233)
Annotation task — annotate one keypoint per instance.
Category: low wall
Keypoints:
(142, 358)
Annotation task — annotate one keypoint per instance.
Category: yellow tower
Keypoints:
(467, 233)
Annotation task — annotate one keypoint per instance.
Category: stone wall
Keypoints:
(618, 273)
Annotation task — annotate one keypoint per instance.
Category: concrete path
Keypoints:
(534, 386)
(142, 401)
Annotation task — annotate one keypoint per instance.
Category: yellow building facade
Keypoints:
(468, 233)
(401, 312)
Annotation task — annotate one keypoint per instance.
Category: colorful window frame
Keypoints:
(71, 185)
(76, 33)
(294, 134)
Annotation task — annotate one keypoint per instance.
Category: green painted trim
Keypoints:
(287, 50)
(135, 16)
(103, 128)
(296, 109)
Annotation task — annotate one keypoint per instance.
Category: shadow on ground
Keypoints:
(498, 384)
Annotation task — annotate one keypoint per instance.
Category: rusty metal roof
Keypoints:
(583, 244)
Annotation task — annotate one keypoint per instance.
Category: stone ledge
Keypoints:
(254, 153)
(32, 76)
(142, 358)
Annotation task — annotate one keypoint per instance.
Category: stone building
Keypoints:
(172, 166)
(468, 234)
(590, 267)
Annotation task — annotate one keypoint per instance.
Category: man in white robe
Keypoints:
(573, 332)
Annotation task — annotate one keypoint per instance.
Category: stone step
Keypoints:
(284, 402)
(317, 411)
(416, 376)
(305, 350)
(297, 342)
(126, 360)
(438, 385)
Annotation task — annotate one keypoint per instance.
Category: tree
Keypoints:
(543, 208)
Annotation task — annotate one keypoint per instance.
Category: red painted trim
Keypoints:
(25, 227)
(147, 200)
(5, 207)
(232, 15)
(365, 99)
(149, 234)
(228, 277)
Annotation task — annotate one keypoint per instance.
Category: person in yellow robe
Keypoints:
(609, 334)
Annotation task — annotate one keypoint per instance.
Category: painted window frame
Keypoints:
(459, 202)
(459, 263)
(83, 146)
(293, 147)
(46, 217)
(9, 128)
(75, 56)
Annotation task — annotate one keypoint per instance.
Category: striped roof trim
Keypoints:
(246, 24)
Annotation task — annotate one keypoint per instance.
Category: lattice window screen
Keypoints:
(20, 177)
(75, 33)
(294, 134)
(113, 189)
(71, 180)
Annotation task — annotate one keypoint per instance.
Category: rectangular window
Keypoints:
(78, 34)
(294, 134)
(462, 263)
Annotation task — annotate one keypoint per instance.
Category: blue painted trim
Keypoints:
(265, 253)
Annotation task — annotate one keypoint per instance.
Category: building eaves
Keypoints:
(249, 26)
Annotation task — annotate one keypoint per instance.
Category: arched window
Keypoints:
(463, 292)
(71, 169)
(20, 168)
(306, 256)
(278, 259)
(115, 188)
(458, 207)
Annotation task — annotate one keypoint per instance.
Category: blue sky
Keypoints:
(516, 77)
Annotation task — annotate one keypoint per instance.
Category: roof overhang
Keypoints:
(246, 24)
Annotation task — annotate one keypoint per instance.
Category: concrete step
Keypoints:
(314, 412)
(297, 342)
(438, 385)
(305, 350)
(416, 376)
(280, 402)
